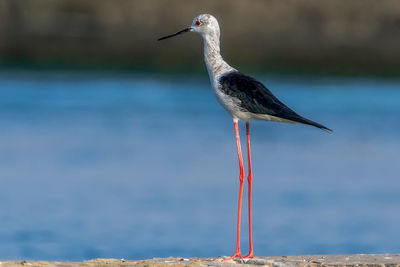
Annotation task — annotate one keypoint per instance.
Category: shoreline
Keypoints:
(392, 260)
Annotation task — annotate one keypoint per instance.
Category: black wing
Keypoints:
(256, 98)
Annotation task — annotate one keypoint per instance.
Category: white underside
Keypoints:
(232, 105)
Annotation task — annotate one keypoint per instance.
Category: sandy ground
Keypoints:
(280, 261)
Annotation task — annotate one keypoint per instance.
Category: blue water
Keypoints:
(121, 166)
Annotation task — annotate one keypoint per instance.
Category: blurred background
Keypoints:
(112, 144)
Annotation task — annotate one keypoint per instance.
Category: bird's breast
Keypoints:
(232, 105)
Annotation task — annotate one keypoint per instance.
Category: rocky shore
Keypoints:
(365, 260)
(354, 36)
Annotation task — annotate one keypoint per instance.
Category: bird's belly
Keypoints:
(232, 105)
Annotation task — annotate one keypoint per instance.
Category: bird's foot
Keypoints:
(249, 256)
(236, 255)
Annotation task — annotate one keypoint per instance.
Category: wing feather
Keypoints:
(254, 97)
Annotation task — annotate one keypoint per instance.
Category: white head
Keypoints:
(204, 24)
(207, 26)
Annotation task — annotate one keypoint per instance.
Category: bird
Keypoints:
(245, 99)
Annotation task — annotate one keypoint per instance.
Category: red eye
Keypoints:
(198, 23)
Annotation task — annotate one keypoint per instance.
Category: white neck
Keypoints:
(216, 66)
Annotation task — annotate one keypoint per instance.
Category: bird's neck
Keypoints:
(216, 65)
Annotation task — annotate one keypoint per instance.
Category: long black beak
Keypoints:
(175, 34)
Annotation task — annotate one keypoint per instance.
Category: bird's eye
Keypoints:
(197, 23)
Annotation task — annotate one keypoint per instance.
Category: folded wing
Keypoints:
(254, 97)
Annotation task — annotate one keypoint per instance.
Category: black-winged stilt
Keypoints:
(244, 98)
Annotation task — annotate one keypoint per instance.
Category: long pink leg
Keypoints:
(241, 179)
(249, 180)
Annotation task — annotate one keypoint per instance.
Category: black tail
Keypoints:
(310, 122)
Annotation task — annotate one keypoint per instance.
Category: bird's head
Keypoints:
(204, 24)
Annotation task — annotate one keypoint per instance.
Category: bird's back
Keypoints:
(246, 98)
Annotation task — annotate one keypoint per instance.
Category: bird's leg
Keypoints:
(241, 179)
(249, 180)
